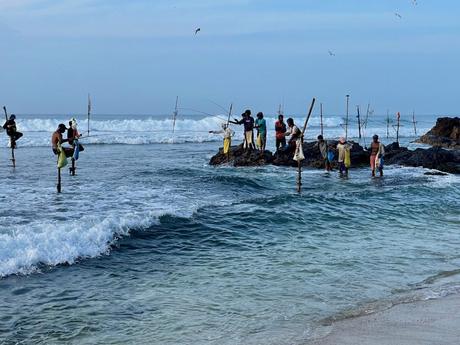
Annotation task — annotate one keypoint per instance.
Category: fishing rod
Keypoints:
(204, 113)
(218, 105)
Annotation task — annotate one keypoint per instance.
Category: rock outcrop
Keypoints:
(433, 158)
(446, 133)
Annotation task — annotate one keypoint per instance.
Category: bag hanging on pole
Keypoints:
(62, 159)
(298, 154)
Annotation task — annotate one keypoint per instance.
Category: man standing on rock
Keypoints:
(324, 150)
(377, 153)
(280, 130)
(248, 122)
(293, 132)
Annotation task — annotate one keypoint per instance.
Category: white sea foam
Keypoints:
(151, 130)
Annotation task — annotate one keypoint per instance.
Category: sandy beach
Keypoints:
(431, 322)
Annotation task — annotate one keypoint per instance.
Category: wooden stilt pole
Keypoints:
(388, 124)
(414, 122)
(299, 163)
(321, 117)
(346, 121)
(12, 141)
(398, 116)
(359, 122)
(299, 176)
(89, 110)
(13, 160)
(73, 168)
(59, 181)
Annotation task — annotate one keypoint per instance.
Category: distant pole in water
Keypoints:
(388, 123)
(299, 163)
(12, 143)
(368, 112)
(175, 114)
(346, 120)
(89, 110)
(359, 122)
(321, 117)
(414, 122)
(398, 116)
(59, 181)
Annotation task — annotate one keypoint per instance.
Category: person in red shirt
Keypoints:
(280, 130)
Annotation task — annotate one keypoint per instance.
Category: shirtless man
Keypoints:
(57, 139)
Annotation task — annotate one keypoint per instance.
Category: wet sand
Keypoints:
(432, 322)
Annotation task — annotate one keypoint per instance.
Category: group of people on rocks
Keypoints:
(287, 135)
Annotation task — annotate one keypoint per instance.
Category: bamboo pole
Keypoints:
(59, 181)
(13, 159)
(346, 121)
(89, 110)
(359, 122)
(12, 141)
(321, 117)
(73, 167)
(388, 123)
(299, 163)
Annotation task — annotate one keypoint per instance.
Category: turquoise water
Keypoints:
(149, 244)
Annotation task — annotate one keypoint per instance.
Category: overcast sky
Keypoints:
(135, 56)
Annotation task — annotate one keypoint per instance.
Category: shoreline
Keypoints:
(433, 321)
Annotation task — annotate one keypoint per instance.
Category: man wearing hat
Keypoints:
(11, 130)
(57, 140)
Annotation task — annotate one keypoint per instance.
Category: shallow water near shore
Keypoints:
(149, 244)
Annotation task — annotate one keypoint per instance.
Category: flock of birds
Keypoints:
(331, 53)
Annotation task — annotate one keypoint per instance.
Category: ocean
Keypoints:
(148, 244)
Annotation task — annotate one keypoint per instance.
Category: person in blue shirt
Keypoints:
(248, 121)
(261, 126)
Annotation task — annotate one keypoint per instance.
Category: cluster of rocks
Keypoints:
(435, 157)
(446, 133)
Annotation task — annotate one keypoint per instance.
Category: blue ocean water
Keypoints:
(150, 244)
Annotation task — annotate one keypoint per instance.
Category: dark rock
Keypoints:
(446, 133)
(435, 173)
(238, 156)
(432, 158)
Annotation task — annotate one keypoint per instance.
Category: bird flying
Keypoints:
(331, 53)
(398, 15)
(197, 30)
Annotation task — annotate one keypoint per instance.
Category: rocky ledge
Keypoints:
(432, 158)
(446, 133)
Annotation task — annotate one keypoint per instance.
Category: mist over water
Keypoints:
(149, 244)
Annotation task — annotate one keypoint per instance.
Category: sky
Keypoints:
(136, 56)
